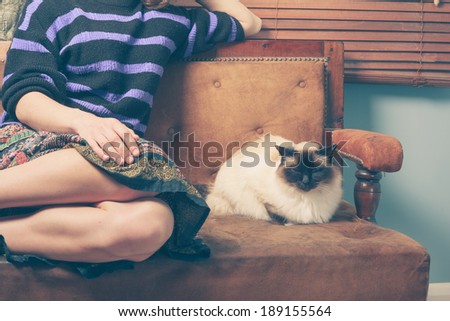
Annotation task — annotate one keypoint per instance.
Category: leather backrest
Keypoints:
(211, 108)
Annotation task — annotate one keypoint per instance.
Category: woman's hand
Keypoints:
(108, 137)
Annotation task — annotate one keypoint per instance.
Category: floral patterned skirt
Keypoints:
(152, 171)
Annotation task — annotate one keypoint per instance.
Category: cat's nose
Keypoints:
(305, 180)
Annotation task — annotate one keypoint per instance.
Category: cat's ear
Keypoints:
(285, 151)
(280, 149)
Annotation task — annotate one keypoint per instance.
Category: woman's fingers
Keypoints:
(116, 149)
(129, 148)
(129, 138)
(97, 149)
(110, 139)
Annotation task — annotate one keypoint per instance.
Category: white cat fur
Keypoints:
(239, 190)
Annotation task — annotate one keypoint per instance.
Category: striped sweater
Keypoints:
(105, 56)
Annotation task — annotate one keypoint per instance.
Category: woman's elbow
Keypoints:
(252, 26)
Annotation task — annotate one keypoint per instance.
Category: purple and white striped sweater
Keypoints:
(105, 56)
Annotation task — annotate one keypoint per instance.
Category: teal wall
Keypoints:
(416, 200)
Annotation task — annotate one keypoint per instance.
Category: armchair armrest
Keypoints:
(373, 153)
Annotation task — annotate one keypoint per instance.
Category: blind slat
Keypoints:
(355, 25)
(397, 56)
(350, 15)
(400, 77)
(351, 35)
(396, 46)
(375, 65)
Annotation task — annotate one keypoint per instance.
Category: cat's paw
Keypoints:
(218, 205)
(278, 219)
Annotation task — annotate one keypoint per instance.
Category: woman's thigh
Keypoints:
(61, 177)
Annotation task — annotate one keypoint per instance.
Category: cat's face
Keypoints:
(307, 165)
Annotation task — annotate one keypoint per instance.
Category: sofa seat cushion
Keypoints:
(253, 260)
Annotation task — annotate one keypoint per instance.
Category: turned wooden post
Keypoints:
(367, 193)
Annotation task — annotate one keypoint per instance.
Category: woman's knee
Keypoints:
(139, 228)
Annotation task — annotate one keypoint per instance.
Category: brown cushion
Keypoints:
(347, 259)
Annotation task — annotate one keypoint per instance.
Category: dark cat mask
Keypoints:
(308, 167)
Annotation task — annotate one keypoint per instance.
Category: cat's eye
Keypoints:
(291, 162)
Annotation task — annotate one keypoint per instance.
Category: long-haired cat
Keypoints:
(274, 178)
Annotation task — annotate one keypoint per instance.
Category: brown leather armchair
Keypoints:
(225, 98)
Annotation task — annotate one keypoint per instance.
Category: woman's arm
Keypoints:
(108, 137)
(249, 21)
(43, 113)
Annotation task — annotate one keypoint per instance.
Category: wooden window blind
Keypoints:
(394, 42)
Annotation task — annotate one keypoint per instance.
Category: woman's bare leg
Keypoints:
(108, 231)
(123, 223)
(61, 177)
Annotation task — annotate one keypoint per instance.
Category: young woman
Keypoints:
(77, 181)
